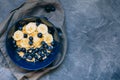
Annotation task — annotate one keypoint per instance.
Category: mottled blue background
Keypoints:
(93, 30)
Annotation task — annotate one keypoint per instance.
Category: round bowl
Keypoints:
(23, 63)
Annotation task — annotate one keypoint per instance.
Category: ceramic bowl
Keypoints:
(11, 50)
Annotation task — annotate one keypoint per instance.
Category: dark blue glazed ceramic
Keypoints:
(23, 63)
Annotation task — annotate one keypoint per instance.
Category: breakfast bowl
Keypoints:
(32, 43)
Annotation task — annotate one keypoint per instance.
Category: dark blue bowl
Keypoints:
(23, 63)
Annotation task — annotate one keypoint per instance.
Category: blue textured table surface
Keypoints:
(93, 29)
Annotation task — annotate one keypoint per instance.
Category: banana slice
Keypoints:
(33, 34)
(18, 35)
(24, 43)
(24, 30)
(48, 51)
(37, 41)
(18, 43)
(21, 54)
(44, 57)
(48, 38)
(31, 27)
(49, 44)
(33, 60)
(37, 45)
(42, 28)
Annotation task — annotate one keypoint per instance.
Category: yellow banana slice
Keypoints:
(21, 54)
(31, 27)
(33, 34)
(49, 44)
(42, 28)
(24, 43)
(37, 45)
(48, 38)
(18, 35)
(24, 30)
(37, 41)
(18, 43)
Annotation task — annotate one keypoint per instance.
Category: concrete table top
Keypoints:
(93, 30)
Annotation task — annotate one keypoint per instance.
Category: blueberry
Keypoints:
(22, 22)
(26, 54)
(53, 8)
(38, 21)
(32, 54)
(23, 49)
(41, 48)
(29, 57)
(39, 52)
(47, 8)
(45, 46)
(39, 35)
(25, 35)
(43, 43)
(19, 49)
(33, 51)
(36, 57)
(30, 38)
(42, 55)
(51, 30)
(45, 51)
(14, 42)
(36, 60)
(53, 43)
(24, 57)
(20, 28)
(50, 48)
(37, 49)
(15, 46)
(47, 54)
(30, 43)
(40, 59)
